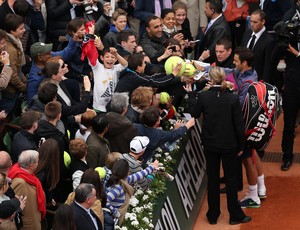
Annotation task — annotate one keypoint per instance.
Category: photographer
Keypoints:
(291, 91)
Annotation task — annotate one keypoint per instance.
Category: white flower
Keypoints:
(149, 191)
(145, 197)
(127, 215)
(133, 201)
(137, 209)
(146, 220)
(124, 228)
(169, 158)
(151, 225)
(167, 153)
(139, 192)
(157, 155)
(159, 150)
(135, 223)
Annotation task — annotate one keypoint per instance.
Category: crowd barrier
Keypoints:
(179, 206)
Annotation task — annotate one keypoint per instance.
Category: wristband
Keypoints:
(298, 55)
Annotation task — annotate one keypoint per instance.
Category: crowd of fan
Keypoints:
(86, 82)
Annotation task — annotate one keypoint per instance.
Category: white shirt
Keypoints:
(257, 36)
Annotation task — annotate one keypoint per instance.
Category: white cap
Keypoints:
(139, 144)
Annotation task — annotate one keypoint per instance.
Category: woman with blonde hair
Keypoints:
(223, 140)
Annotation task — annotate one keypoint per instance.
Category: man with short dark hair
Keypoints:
(262, 44)
(153, 40)
(150, 119)
(126, 43)
(48, 129)
(243, 60)
(216, 29)
(135, 76)
(25, 139)
(98, 145)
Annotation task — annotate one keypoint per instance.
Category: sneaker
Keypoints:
(248, 203)
(262, 193)
(286, 165)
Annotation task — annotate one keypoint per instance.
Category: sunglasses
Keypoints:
(63, 65)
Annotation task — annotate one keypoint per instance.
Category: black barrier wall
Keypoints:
(179, 206)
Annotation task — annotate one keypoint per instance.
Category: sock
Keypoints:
(253, 193)
(261, 182)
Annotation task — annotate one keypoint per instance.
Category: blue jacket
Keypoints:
(157, 137)
(241, 80)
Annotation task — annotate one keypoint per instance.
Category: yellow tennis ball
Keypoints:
(174, 60)
(164, 97)
(67, 159)
(189, 70)
(101, 171)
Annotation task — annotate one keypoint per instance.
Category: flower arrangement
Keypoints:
(141, 205)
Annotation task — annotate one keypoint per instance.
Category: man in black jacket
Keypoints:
(134, 76)
(24, 139)
(262, 46)
(291, 91)
(84, 216)
(216, 29)
(47, 129)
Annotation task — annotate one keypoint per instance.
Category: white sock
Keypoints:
(253, 193)
(261, 182)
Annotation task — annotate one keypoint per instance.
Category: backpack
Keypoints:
(260, 114)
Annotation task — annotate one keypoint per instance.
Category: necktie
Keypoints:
(208, 26)
(252, 42)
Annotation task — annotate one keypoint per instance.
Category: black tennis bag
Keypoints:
(260, 114)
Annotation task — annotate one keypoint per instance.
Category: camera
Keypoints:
(288, 31)
(87, 7)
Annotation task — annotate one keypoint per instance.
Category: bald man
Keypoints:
(5, 162)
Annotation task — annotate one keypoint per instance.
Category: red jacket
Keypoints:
(232, 12)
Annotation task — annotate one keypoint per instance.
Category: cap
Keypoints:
(8, 207)
(139, 144)
(40, 48)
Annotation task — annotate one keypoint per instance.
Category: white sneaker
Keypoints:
(262, 193)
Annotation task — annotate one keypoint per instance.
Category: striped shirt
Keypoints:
(116, 194)
(135, 166)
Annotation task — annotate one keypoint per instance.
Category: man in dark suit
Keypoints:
(84, 216)
(261, 46)
(217, 28)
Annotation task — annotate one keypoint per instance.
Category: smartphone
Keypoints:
(163, 114)
(195, 41)
(173, 48)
